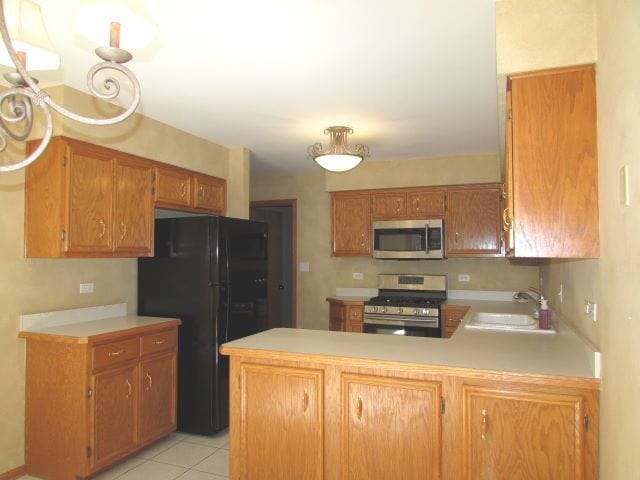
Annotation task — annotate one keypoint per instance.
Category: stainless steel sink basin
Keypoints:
(517, 322)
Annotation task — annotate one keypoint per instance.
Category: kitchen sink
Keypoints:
(516, 322)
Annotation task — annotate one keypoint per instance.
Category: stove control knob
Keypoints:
(383, 310)
(416, 312)
(425, 311)
(374, 309)
(400, 310)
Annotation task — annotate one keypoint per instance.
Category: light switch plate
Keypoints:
(86, 288)
(304, 266)
(624, 186)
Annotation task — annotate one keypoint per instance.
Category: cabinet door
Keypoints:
(523, 435)
(425, 204)
(452, 316)
(391, 428)
(133, 208)
(351, 224)
(354, 317)
(555, 167)
(473, 226)
(281, 423)
(389, 205)
(336, 317)
(172, 187)
(157, 397)
(90, 201)
(209, 193)
(114, 414)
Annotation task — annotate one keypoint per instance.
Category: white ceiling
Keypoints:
(413, 78)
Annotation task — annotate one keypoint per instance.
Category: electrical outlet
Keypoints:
(86, 288)
(590, 309)
(463, 277)
(357, 276)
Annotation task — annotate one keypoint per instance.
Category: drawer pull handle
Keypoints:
(160, 341)
(484, 424)
(397, 205)
(104, 229)
(417, 204)
(305, 401)
(362, 240)
(201, 193)
(115, 354)
(129, 389)
(359, 408)
(123, 227)
(150, 380)
(183, 189)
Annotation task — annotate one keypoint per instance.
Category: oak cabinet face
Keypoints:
(351, 224)
(115, 414)
(90, 210)
(209, 193)
(172, 187)
(473, 224)
(524, 435)
(426, 204)
(551, 170)
(282, 423)
(133, 208)
(388, 205)
(451, 318)
(390, 428)
(157, 397)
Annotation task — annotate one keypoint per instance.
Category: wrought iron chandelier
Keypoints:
(17, 102)
(338, 157)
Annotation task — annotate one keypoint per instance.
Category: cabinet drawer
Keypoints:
(158, 342)
(103, 356)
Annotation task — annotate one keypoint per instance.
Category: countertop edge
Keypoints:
(468, 372)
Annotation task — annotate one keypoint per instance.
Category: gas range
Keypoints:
(409, 302)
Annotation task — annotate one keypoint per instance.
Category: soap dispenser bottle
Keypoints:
(544, 315)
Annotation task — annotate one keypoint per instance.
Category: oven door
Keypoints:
(408, 239)
(405, 328)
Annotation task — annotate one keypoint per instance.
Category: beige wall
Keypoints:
(314, 223)
(613, 281)
(561, 32)
(36, 285)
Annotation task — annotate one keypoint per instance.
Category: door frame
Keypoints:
(287, 202)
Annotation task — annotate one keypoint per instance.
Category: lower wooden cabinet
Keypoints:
(451, 316)
(390, 428)
(310, 417)
(346, 315)
(91, 401)
(281, 429)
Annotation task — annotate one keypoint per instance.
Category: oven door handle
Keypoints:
(400, 323)
(426, 239)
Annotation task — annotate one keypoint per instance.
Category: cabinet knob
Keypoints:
(417, 204)
(362, 240)
(305, 400)
(359, 408)
(397, 205)
(148, 375)
(183, 189)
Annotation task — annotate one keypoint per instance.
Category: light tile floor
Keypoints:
(179, 456)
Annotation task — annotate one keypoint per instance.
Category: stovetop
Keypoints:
(406, 300)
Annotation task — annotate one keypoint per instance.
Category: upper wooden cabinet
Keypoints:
(551, 172)
(209, 193)
(173, 187)
(84, 200)
(351, 224)
(407, 203)
(473, 226)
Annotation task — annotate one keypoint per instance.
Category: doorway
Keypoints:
(280, 216)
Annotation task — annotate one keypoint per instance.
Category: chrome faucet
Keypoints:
(532, 294)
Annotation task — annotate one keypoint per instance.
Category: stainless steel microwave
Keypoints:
(408, 239)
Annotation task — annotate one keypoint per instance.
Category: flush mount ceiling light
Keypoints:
(26, 43)
(338, 157)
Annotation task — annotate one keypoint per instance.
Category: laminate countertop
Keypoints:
(562, 354)
(82, 332)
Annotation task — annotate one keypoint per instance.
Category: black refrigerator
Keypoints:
(210, 272)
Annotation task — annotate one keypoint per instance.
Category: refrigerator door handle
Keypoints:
(226, 311)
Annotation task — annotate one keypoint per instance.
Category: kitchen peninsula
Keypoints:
(315, 404)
